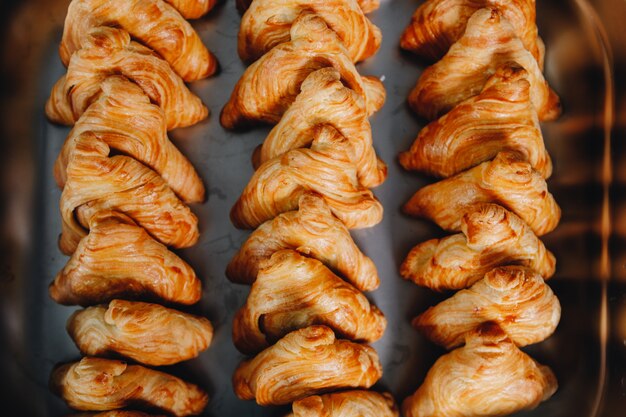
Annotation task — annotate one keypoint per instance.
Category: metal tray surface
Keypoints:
(33, 337)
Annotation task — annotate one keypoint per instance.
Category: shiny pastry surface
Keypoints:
(346, 404)
(367, 6)
(193, 9)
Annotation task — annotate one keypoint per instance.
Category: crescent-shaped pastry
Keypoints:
(367, 6)
(266, 24)
(346, 404)
(437, 24)
(313, 231)
(507, 180)
(95, 384)
(303, 363)
(270, 85)
(120, 259)
(343, 108)
(489, 41)
(97, 181)
(193, 9)
(142, 136)
(515, 298)
(489, 377)
(492, 236)
(292, 292)
(108, 51)
(147, 333)
(152, 22)
(500, 118)
(326, 168)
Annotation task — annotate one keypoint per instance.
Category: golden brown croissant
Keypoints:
(266, 24)
(326, 168)
(489, 376)
(488, 42)
(306, 362)
(142, 136)
(313, 231)
(437, 24)
(507, 180)
(367, 6)
(492, 236)
(514, 297)
(500, 118)
(104, 384)
(109, 51)
(324, 99)
(292, 292)
(271, 84)
(147, 333)
(153, 22)
(346, 404)
(97, 181)
(192, 9)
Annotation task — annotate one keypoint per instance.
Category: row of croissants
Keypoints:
(125, 195)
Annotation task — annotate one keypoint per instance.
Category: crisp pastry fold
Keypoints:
(303, 363)
(152, 22)
(270, 85)
(489, 41)
(193, 9)
(489, 376)
(142, 136)
(492, 236)
(292, 292)
(326, 168)
(500, 118)
(437, 24)
(97, 181)
(147, 333)
(120, 259)
(367, 6)
(95, 384)
(507, 180)
(323, 99)
(109, 51)
(515, 298)
(266, 24)
(313, 231)
(346, 404)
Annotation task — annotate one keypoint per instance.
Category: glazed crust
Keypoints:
(492, 236)
(367, 6)
(147, 333)
(102, 384)
(152, 22)
(193, 9)
(313, 231)
(507, 181)
(346, 404)
(292, 292)
(303, 363)
(488, 42)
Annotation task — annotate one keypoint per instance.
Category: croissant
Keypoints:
(492, 236)
(367, 6)
(266, 24)
(342, 108)
(326, 168)
(116, 413)
(147, 333)
(313, 231)
(303, 363)
(120, 259)
(437, 24)
(109, 51)
(500, 118)
(489, 376)
(153, 22)
(507, 180)
(291, 292)
(270, 85)
(346, 404)
(97, 181)
(193, 9)
(142, 136)
(103, 384)
(488, 42)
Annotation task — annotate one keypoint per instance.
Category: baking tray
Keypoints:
(33, 338)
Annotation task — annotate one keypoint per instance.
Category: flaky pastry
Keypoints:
(346, 404)
(507, 180)
(303, 363)
(192, 9)
(367, 6)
